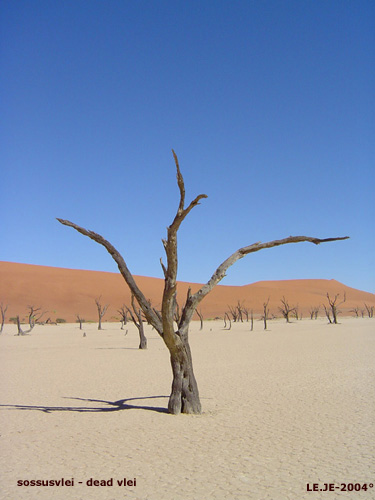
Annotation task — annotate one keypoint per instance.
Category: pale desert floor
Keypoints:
(282, 408)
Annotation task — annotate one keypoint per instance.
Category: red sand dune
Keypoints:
(64, 293)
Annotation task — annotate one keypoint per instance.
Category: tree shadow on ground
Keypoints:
(121, 404)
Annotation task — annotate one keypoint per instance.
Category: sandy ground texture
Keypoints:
(281, 409)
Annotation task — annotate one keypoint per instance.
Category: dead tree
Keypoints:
(356, 311)
(246, 312)
(251, 320)
(234, 313)
(314, 312)
(286, 309)
(20, 331)
(34, 316)
(101, 311)
(200, 316)
(3, 310)
(80, 321)
(225, 323)
(184, 395)
(266, 311)
(328, 313)
(123, 315)
(334, 306)
(370, 310)
(136, 317)
(19, 327)
(240, 311)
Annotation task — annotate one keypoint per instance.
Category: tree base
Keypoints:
(184, 397)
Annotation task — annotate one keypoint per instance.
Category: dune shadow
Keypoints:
(121, 404)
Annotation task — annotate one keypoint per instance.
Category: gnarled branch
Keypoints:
(152, 318)
(219, 274)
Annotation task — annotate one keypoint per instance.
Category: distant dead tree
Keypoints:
(356, 311)
(31, 320)
(297, 314)
(370, 310)
(334, 304)
(200, 316)
(49, 321)
(314, 310)
(184, 395)
(34, 316)
(286, 309)
(101, 311)
(266, 311)
(233, 311)
(226, 315)
(20, 331)
(240, 311)
(80, 321)
(123, 312)
(327, 313)
(251, 320)
(3, 310)
(136, 317)
(246, 312)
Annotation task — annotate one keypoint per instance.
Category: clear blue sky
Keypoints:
(268, 104)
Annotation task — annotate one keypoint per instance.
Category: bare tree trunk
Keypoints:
(101, 312)
(370, 310)
(34, 316)
(326, 310)
(252, 320)
(265, 313)
(137, 320)
(19, 328)
(239, 310)
(184, 397)
(124, 315)
(245, 310)
(286, 309)
(200, 316)
(234, 313)
(3, 310)
(20, 331)
(334, 306)
(80, 321)
(142, 337)
(230, 322)
(355, 310)
(314, 312)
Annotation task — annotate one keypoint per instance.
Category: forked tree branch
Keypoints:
(193, 301)
(152, 318)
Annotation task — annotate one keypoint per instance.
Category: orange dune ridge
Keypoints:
(64, 293)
